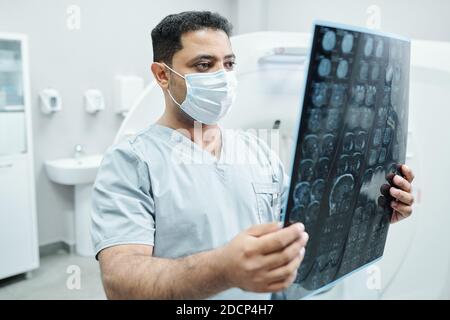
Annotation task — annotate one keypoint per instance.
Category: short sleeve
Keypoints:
(122, 204)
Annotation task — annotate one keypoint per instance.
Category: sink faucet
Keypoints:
(79, 151)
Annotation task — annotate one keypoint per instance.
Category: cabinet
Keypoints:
(18, 228)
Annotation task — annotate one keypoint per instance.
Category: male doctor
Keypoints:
(185, 209)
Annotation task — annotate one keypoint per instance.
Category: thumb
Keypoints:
(258, 230)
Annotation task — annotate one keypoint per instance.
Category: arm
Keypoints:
(130, 272)
(263, 258)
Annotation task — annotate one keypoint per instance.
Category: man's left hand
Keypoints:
(402, 194)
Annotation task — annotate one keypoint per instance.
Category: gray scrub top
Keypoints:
(159, 188)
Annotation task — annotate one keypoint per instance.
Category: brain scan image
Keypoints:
(323, 167)
(312, 213)
(302, 193)
(328, 144)
(333, 119)
(359, 93)
(373, 156)
(382, 115)
(348, 142)
(329, 40)
(351, 137)
(311, 146)
(356, 162)
(344, 164)
(307, 170)
(379, 49)
(368, 46)
(360, 141)
(366, 117)
(298, 212)
(375, 72)
(324, 67)
(397, 75)
(342, 69)
(319, 95)
(341, 193)
(377, 137)
(386, 96)
(317, 189)
(314, 120)
(371, 92)
(382, 156)
(353, 117)
(387, 136)
(363, 70)
(347, 43)
(337, 95)
(389, 73)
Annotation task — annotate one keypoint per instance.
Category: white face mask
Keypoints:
(209, 96)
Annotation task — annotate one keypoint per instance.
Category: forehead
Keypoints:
(205, 41)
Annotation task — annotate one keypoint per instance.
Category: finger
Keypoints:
(396, 217)
(284, 272)
(261, 229)
(401, 208)
(407, 172)
(390, 176)
(281, 285)
(402, 183)
(384, 189)
(402, 196)
(279, 259)
(280, 239)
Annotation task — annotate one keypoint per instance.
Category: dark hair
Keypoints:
(166, 36)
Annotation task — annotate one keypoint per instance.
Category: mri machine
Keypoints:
(270, 68)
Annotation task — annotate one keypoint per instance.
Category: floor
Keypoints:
(71, 277)
(60, 276)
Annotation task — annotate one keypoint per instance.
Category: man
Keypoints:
(167, 226)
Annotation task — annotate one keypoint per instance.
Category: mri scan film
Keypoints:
(351, 139)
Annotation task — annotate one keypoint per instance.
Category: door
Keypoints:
(16, 224)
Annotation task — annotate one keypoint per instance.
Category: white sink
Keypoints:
(73, 171)
(79, 172)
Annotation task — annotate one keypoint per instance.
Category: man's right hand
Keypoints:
(265, 257)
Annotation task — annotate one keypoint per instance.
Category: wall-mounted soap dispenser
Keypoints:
(127, 89)
(50, 101)
(93, 101)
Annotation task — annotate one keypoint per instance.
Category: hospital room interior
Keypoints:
(76, 80)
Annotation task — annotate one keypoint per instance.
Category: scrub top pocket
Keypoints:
(268, 199)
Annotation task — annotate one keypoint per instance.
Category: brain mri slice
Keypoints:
(329, 40)
(351, 138)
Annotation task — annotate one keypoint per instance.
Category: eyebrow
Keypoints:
(211, 57)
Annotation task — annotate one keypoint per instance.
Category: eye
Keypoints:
(229, 65)
(202, 66)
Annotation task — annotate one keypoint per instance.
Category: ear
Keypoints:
(161, 75)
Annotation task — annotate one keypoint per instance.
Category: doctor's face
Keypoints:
(204, 50)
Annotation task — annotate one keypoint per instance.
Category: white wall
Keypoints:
(414, 18)
(114, 38)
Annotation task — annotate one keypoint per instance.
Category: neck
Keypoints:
(206, 136)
